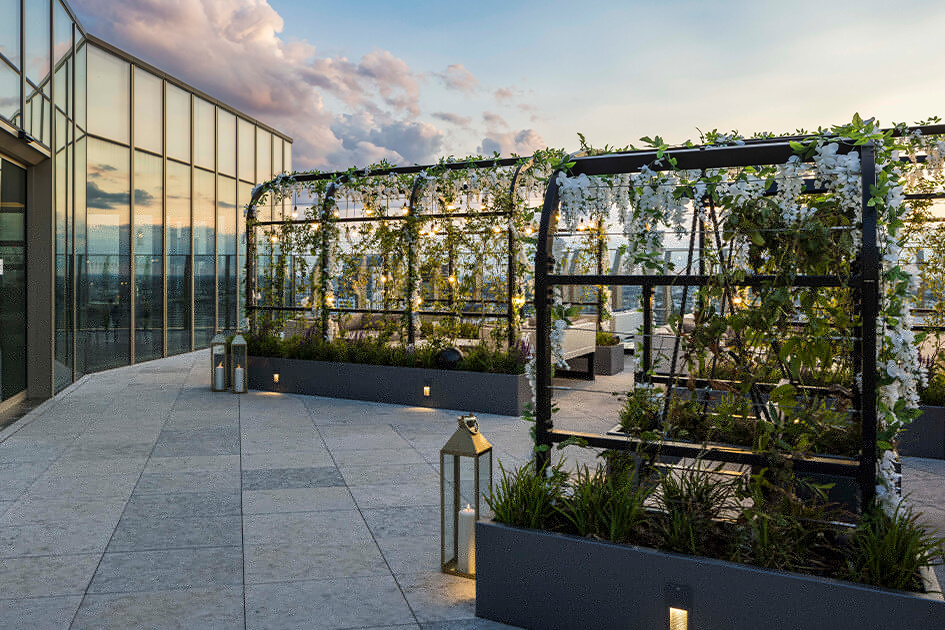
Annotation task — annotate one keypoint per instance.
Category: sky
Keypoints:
(353, 82)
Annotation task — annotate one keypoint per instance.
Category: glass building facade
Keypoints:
(122, 232)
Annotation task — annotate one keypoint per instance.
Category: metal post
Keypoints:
(412, 237)
(544, 265)
(869, 304)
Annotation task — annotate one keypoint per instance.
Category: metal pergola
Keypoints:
(864, 281)
(325, 215)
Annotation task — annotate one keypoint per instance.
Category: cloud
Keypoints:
(97, 198)
(339, 111)
(453, 119)
(370, 139)
(521, 142)
(503, 94)
(457, 77)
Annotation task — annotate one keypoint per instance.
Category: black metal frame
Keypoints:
(865, 282)
(339, 178)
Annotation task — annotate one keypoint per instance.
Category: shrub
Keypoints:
(526, 497)
(607, 339)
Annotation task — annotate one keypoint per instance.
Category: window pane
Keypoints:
(62, 47)
(63, 286)
(287, 157)
(149, 206)
(226, 143)
(108, 198)
(203, 212)
(247, 150)
(108, 95)
(226, 253)
(107, 306)
(10, 31)
(80, 84)
(277, 152)
(149, 111)
(204, 141)
(178, 258)
(9, 92)
(244, 193)
(178, 124)
(204, 247)
(149, 305)
(37, 40)
(81, 266)
(263, 156)
(13, 280)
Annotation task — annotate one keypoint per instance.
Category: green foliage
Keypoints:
(379, 351)
(934, 391)
(889, 550)
(607, 339)
(526, 497)
(604, 506)
(692, 501)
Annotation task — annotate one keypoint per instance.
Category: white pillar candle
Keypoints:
(238, 379)
(219, 377)
(466, 541)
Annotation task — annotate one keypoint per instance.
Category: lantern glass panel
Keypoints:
(239, 363)
(485, 482)
(449, 509)
(467, 483)
(218, 371)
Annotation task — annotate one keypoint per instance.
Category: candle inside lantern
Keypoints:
(219, 377)
(238, 379)
(466, 541)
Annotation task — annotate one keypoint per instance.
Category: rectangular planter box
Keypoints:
(925, 437)
(541, 580)
(502, 394)
(608, 360)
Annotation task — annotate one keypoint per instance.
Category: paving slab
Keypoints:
(138, 498)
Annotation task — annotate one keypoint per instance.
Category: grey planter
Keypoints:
(925, 437)
(608, 360)
(502, 394)
(541, 580)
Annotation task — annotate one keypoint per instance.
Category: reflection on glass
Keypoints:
(9, 91)
(244, 193)
(62, 47)
(277, 154)
(37, 40)
(177, 226)
(204, 302)
(263, 156)
(204, 247)
(80, 283)
(149, 262)
(63, 307)
(106, 299)
(13, 280)
(247, 150)
(287, 157)
(108, 100)
(63, 81)
(149, 111)
(10, 32)
(149, 305)
(36, 120)
(149, 206)
(204, 141)
(226, 143)
(107, 198)
(226, 253)
(178, 123)
(80, 83)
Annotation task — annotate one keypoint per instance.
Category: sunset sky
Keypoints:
(354, 82)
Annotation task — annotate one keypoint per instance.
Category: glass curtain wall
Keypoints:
(150, 181)
(12, 279)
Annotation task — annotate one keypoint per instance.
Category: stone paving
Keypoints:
(137, 498)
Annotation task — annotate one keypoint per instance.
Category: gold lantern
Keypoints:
(239, 360)
(465, 478)
(218, 368)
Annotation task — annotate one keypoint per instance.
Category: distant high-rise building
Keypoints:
(121, 193)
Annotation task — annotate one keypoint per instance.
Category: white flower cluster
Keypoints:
(889, 482)
(572, 191)
(653, 195)
(790, 187)
(840, 174)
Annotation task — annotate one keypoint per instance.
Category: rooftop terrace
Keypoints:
(138, 498)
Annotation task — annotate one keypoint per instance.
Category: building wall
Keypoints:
(148, 182)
